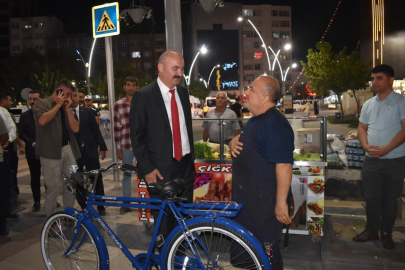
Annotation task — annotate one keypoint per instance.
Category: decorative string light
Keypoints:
(357, 47)
(323, 37)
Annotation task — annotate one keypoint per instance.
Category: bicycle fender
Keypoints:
(104, 258)
(227, 223)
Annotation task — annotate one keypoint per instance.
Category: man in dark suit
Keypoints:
(161, 130)
(91, 144)
(27, 132)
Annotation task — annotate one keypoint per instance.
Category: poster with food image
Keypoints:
(308, 170)
(213, 182)
(316, 185)
(315, 225)
(315, 206)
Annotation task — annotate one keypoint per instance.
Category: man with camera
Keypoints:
(55, 142)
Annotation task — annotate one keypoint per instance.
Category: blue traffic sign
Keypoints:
(105, 20)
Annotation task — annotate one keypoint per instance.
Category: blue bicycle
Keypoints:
(205, 237)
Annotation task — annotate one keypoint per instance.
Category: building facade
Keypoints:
(33, 32)
(272, 22)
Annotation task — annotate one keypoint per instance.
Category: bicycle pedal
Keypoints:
(160, 240)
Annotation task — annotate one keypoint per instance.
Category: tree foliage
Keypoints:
(339, 72)
(197, 89)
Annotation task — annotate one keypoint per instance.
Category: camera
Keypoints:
(58, 91)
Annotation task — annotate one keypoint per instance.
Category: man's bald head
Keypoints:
(271, 87)
(165, 54)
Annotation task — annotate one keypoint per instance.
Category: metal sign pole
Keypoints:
(111, 99)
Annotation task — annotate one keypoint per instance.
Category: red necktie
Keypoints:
(178, 153)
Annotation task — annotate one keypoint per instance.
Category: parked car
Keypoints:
(332, 106)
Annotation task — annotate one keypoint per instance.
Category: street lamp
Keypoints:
(86, 65)
(283, 78)
(202, 50)
(202, 80)
(260, 36)
(286, 47)
(209, 77)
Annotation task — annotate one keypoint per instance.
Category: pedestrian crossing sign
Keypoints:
(105, 20)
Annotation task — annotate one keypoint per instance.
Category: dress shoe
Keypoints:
(124, 210)
(386, 239)
(101, 211)
(36, 206)
(21, 200)
(366, 235)
(12, 215)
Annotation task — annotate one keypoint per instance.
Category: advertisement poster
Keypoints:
(213, 182)
(143, 214)
(308, 186)
(288, 103)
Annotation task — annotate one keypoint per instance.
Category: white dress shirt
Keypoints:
(167, 96)
(12, 130)
(77, 112)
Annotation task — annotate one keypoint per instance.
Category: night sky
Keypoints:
(309, 19)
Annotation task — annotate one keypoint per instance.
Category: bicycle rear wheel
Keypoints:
(56, 238)
(227, 248)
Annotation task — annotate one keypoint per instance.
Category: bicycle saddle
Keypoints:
(167, 190)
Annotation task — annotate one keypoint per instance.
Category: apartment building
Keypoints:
(33, 32)
(272, 22)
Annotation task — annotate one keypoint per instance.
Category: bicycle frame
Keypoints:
(207, 212)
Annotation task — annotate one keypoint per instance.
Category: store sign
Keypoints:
(258, 55)
(229, 65)
(230, 84)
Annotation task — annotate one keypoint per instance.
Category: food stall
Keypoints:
(214, 173)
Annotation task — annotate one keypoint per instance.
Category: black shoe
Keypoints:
(366, 235)
(386, 239)
(36, 206)
(101, 211)
(3, 231)
(12, 215)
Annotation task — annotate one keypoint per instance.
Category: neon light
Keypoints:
(229, 66)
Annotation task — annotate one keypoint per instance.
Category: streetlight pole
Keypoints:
(209, 77)
(260, 36)
(85, 68)
(283, 78)
(203, 50)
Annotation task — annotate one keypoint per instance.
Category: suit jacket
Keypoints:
(151, 135)
(89, 133)
(26, 131)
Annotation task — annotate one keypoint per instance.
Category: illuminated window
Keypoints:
(284, 34)
(247, 12)
(276, 34)
(134, 43)
(136, 54)
(247, 33)
(27, 26)
(38, 25)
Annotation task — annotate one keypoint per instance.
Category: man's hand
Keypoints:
(68, 103)
(119, 154)
(378, 151)
(282, 214)
(58, 98)
(103, 154)
(151, 177)
(22, 150)
(5, 145)
(235, 145)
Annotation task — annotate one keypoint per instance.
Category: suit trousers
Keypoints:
(52, 170)
(3, 212)
(90, 164)
(182, 169)
(35, 171)
(6, 180)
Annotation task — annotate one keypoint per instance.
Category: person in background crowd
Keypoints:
(211, 128)
(122, 133)
(308, 108)
(91, 144)
(55, 142)
(3, 213)
(81, 97)
(7, 161)
(205, 109)
(262, 168)
(11, 147)
(27, 134)
(89, 104)
(237, 108)
(161, 132)
(316, 107)
(382, 134)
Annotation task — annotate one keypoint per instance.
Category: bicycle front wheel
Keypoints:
(217, 247)
(56, 238)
